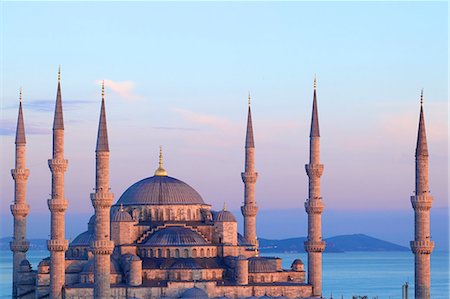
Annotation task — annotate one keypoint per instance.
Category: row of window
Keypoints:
(177, 253)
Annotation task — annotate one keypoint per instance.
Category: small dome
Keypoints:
(297, 262)
(160, 190)
(122, 216)
(175, 236)
(194, 293)
(83, 239)
(224, 216)
(260, 264)
(89, 267)
(25, 263)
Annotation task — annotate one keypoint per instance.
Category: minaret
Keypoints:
(57, 245)
(249, 176)
(19, 245)
(422, 246)
(102, 246)
(314, 206)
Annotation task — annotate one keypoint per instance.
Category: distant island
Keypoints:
(343, 243)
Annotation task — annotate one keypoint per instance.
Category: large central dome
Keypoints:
(160, 190)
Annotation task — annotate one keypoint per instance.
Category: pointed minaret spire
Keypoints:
(102, 136)
(421, 147)
(20, 131)
(58, 121)
(19, 209)
(249, 176)
(102, 246)
(315, 116)
(249, 141)
(421, 201)
(314, 205)
(58, 203)
(160, 171)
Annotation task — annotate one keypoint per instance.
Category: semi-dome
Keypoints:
(160, 190)
(83, 239)
(194, 293)
(175, 236)
(224, 216)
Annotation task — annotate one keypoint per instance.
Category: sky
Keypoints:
(177, 74)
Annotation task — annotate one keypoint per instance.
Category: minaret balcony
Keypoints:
(314, 170)
(249, 210)
(422, 202)
(20, 174)
(102, 247)
(58, 165)
(20, 209)
(102, 199)
(314, 206)
(57, 245)
(19, 245)
(314, 246)
(422, 247)
(249, 177)
(57, 204)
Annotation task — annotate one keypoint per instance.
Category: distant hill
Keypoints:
(356, 242)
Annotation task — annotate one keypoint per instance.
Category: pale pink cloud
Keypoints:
(123, 89)
(208, 120)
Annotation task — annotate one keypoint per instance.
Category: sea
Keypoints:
(373, 274)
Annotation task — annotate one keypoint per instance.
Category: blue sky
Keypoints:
(177, 74)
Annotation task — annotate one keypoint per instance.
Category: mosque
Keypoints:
(160, 239)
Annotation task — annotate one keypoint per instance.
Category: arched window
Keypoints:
(208, 252)
(159, 252)
(214, 274)
(150, 253)
(263, 279)
(188, 217)
(194, 252)
(202, 252)
(186, 253)
(168, 253)
(177, 252)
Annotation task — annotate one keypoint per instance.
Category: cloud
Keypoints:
(175, 129)
(8, 128)
(49, 105)
(124, 89)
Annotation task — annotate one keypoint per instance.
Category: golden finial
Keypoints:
(421, 97)
(103, 89)
(224, 206)
(59, 73)
(121, 207)
(315, 82)
(20, 96)
(160, 171)
(249, 98)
